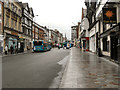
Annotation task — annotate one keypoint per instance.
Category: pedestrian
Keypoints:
(28, 48)
(11, 49)
(15, 49)
(6, 50)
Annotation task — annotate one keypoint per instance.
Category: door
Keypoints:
(118, 48)
(114, 43)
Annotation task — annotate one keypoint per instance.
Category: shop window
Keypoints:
(105, 44)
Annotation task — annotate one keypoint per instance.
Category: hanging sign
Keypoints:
(109, 15)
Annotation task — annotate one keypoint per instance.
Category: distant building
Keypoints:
(35, 31)
(74, 34)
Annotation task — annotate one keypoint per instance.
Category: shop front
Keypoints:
(11, 40)
(114, 49)
(14, 40)
(21, 44)
(1, 43)
(85, 43)
(115, 44)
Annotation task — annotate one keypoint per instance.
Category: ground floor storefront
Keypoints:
(85, 43)
(110, 43)
(1, 43)
(14, 41)
(18, 41)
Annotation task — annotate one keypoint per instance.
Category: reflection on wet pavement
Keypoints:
(86, 70)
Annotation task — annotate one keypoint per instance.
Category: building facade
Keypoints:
(27, 21)
(13, 25)
(41, 33)
(84, 39)
(91, 11)
(74, 32)
(104, 28)
(35, 31)
(109, 32)
(1, 27)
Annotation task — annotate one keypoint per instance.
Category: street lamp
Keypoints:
(34, 24)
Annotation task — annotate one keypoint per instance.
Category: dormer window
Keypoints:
(15, 9)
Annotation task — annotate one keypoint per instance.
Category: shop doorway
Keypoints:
(114, 43)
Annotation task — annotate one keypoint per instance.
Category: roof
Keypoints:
(25, 4)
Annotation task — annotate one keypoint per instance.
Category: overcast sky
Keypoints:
(57, 14)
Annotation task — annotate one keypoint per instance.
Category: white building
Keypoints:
(84, 31)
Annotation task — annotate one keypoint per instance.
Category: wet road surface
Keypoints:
(33, 70)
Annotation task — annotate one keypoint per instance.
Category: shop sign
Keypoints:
(14, 33)
(109, 15)
(22, 37)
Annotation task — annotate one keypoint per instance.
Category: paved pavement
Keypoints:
(86, 70)
(32, 70)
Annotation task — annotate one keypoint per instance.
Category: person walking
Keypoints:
(6, 50)
(11, 49)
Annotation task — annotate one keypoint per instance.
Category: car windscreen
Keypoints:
(37, 43)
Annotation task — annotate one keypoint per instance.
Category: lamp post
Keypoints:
(34, 25)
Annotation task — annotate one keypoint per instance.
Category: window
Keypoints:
(37, 43)
(12, 7)
(7, 3)
(12, 23)
(19, 27)
(30, 23)
(23, 19)
(27, 31)
(30, 33)
(7, 21)
(15, 24)
(15, 9)
(19, 12)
